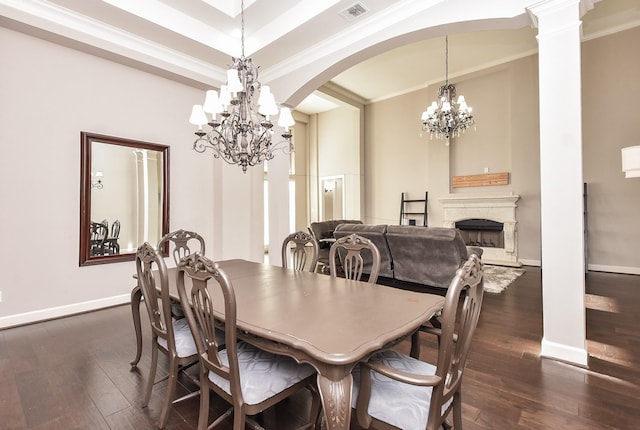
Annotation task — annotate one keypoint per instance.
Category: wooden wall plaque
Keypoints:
(482, 180)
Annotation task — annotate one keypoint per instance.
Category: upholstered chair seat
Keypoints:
(262, 374)
(185, 345)
(394, 402)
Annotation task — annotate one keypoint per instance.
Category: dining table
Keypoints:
(328, 322)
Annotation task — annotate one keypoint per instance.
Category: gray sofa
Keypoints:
(421, 256)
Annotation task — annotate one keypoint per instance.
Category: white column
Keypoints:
(278, 177)
(562, 222)
(215, 249)
(241, 207)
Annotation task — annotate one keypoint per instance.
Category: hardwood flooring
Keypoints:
(74, 373)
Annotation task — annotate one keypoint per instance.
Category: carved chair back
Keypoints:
(350, 249)
(300, 252)
(156, 297)
(182, 241)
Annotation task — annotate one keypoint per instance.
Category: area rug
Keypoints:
(498, 278)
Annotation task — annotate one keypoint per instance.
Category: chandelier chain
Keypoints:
(242, 25)
(446, 60)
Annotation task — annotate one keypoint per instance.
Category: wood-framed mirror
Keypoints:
(124, 197)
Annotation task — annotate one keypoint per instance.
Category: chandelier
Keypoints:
(242, 134)
(445, 118)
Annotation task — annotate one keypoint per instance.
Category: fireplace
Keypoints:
(485, 221)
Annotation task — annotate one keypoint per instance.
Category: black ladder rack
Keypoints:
(405, 215)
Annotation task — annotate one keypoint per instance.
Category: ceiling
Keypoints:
(193, 40)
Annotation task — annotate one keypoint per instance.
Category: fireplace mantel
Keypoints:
(500, 208)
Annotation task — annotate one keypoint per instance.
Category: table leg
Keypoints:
(136, 296)
(336, 401)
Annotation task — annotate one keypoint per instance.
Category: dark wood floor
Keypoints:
(73, 373)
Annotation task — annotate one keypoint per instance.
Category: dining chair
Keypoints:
(98, 233)
(111, 244)
(407, 393)
(249, 379)
(300, 252)
(181, 241)
(358, 255)
(169, 336)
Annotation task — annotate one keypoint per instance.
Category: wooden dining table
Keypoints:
(330, 323)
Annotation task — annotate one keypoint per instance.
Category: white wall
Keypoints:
(610, 121)
(49, 94)
(339, 154)
(396, 157)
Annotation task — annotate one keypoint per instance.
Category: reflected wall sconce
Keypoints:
(329, 186)
(98, 182)
(631, 161)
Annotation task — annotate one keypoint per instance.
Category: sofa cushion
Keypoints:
(377, 235)
(426, 255)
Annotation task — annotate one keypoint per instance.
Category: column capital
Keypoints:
(557, 9)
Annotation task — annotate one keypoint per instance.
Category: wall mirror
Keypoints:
(124, 197)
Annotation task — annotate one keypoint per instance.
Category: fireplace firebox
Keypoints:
(481, 232)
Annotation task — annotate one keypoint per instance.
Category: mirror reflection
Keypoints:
(124, 197)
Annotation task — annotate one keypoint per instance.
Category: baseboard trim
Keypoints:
(561, 352)
(615, 269)
(526, 262)
(626, 270)
(62, 311)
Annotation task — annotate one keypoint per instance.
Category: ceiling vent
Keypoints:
(354, 11)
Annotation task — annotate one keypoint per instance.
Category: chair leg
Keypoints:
(415, 345)
(171, 391)
(203, 415)
(152, 374)
(457, 411)
(239, 419)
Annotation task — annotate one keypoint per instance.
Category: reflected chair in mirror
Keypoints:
(111, 244)
(357, 255)
(169, 336)
(249, 379)
(98, 236)
(300, 252)
(182, 240)
(393, 389)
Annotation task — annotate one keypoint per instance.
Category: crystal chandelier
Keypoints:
(445, 118)
(243, 134)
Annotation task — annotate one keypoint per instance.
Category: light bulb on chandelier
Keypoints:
(447, 118)
(243, 134)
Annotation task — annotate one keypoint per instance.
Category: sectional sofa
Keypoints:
(411, 255)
